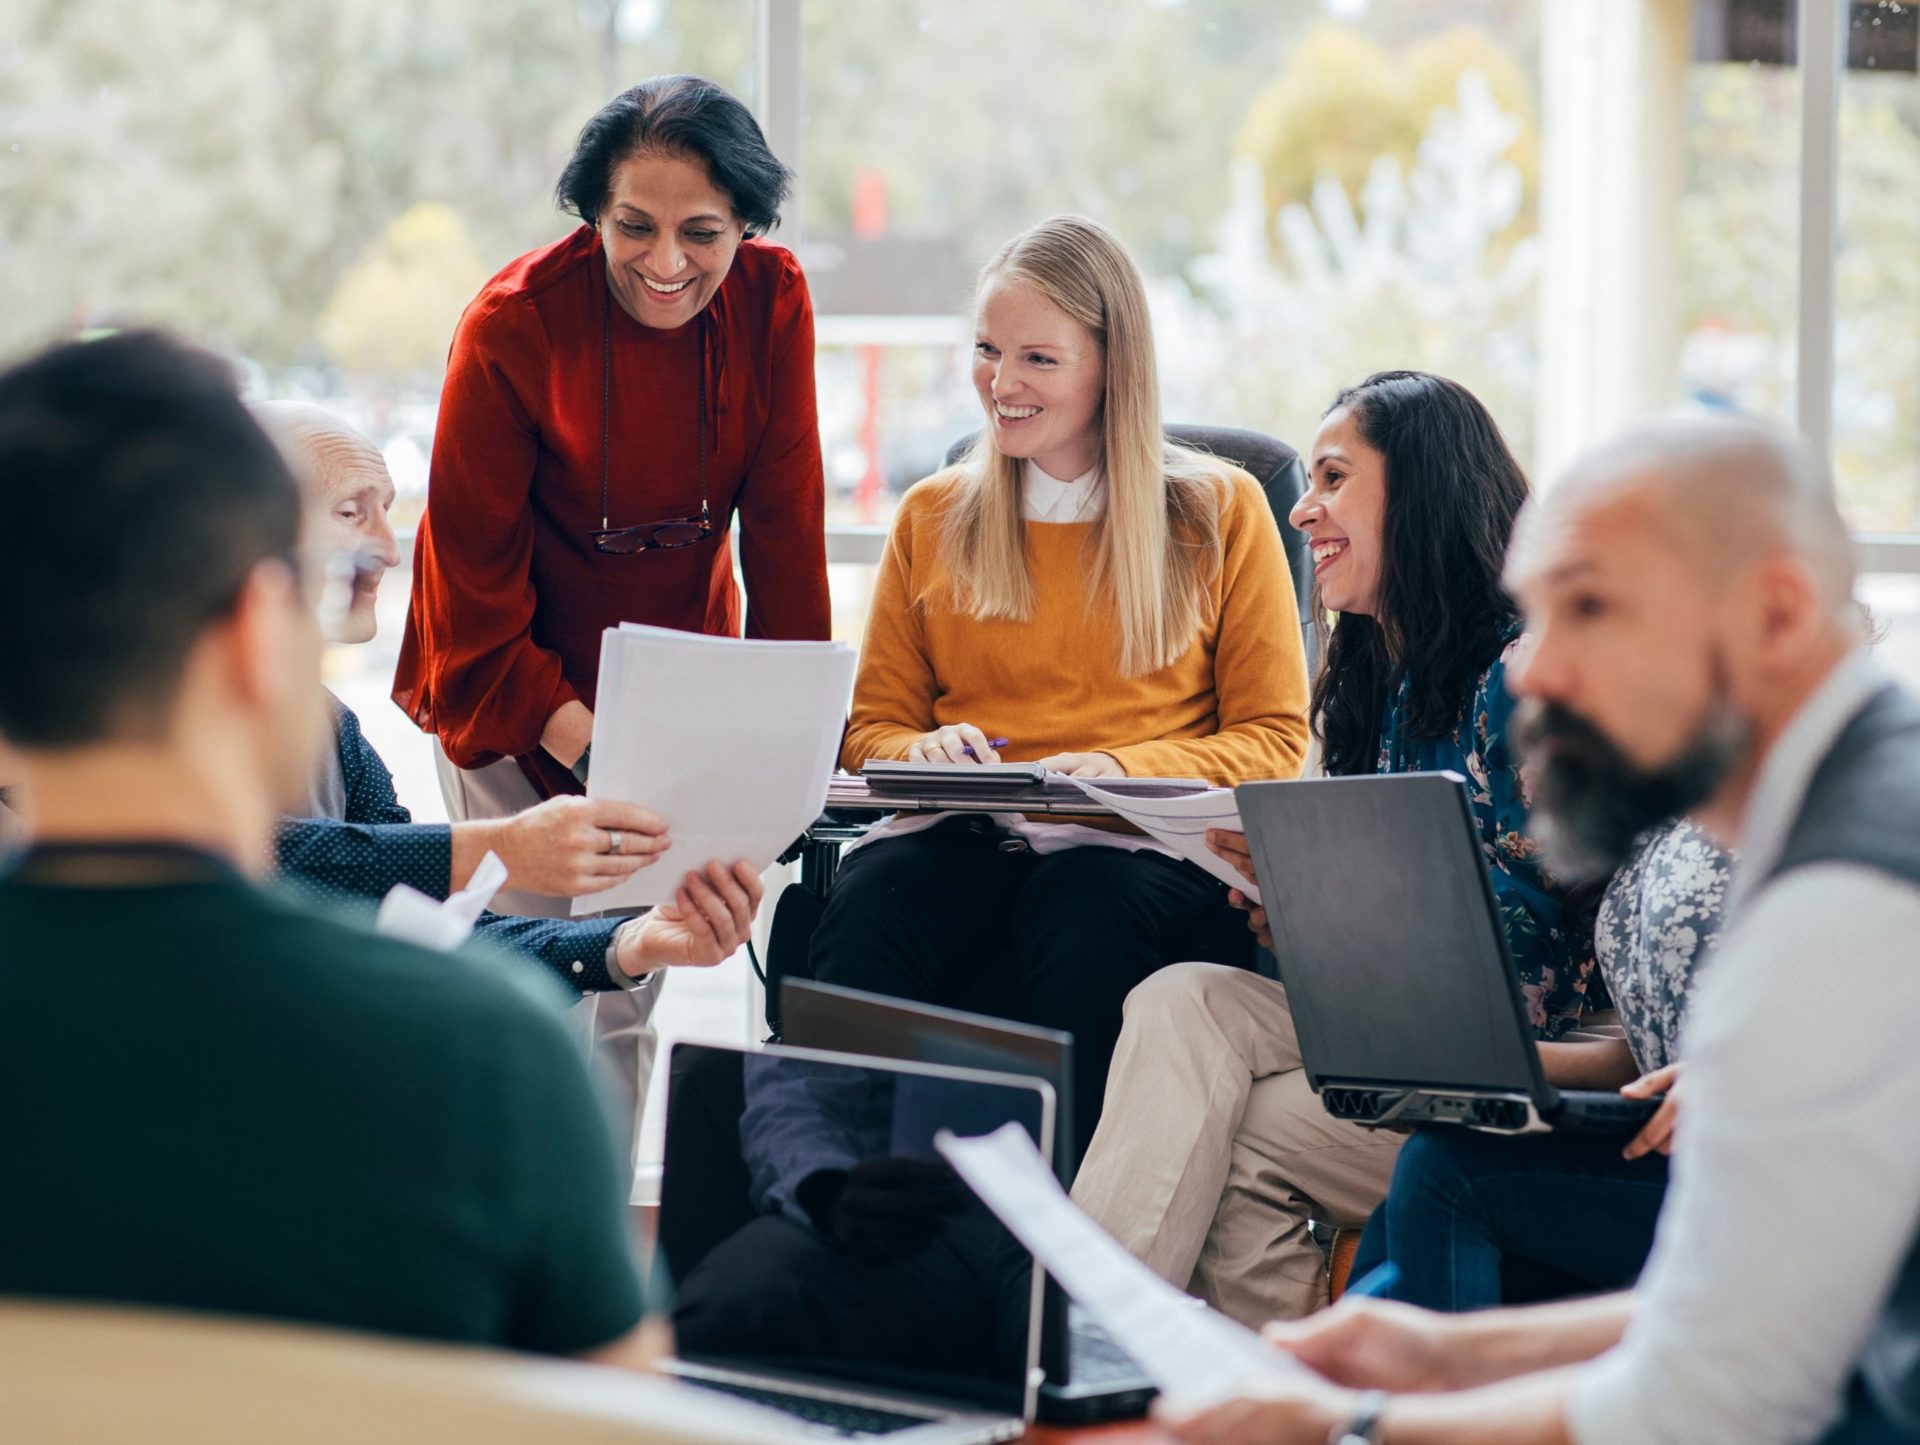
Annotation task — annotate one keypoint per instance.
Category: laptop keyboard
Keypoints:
(841, 1418)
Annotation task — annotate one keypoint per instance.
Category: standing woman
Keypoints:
(1112, 603)
(611, 402)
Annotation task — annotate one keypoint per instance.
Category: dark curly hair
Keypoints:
(1442, 617)
(680, 115)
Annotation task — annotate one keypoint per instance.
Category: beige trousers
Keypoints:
(617, 1027)
(1213, 1153)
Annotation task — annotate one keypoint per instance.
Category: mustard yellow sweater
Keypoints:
(1231, 709)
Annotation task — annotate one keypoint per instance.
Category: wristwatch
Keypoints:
(1364, 1427)
(579, 768)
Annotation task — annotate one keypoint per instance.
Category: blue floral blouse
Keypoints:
(1553, 959)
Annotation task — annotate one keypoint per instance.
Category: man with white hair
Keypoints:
(1695, 648)
(359, 840)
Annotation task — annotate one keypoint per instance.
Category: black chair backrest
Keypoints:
(1282, 476)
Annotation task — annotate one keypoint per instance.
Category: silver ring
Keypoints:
(613, 841)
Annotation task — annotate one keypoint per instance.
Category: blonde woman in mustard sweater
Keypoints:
(1110, 604)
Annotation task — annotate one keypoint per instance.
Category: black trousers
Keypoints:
(948, 916)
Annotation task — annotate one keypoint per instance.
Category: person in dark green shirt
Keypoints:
(291, 1117)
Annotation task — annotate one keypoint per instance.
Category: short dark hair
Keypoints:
(678, 115)
(1442, 617)
(139, 496)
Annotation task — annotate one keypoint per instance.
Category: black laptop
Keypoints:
(1395, 963)
(1088, 1377)
(827, 1262)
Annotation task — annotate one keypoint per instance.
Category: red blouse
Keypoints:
(509, 595)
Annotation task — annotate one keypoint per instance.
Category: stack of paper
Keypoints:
(732, 742)
(1181, 823)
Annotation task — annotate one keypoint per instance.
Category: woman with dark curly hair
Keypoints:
(1412, 500)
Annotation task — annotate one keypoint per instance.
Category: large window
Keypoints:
(1313, 191)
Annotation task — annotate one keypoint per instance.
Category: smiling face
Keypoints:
(670, 236)
(1343, 513)
(1041, 380)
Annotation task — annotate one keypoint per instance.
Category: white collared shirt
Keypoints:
(1045, 498)
(1796, 1171)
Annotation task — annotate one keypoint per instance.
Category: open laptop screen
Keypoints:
(850, 1021)
(1387, 932)
(813, 1232)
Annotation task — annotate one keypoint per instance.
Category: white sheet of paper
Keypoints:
(1181, 823)
(409, 914)
(1196, 1356)
(731, 741)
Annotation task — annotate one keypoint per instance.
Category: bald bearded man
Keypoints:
(1695, 648)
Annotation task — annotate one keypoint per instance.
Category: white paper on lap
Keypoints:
(1181, 823)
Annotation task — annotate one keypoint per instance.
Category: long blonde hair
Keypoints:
(1156, 544)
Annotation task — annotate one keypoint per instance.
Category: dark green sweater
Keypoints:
(269, 1112)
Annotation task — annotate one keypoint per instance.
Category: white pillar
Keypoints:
(1823, 39)
(1613, 136)
(776, 98)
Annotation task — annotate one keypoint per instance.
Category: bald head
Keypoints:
(319, 445)
(348, 491)
(1730, 493)
(1686, 587)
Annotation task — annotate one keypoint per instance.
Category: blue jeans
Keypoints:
(1477, 1220)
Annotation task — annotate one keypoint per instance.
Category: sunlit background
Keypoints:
(1579, 208)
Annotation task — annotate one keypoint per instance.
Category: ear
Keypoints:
(1787, 608)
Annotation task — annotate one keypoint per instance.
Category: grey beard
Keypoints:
(1591, 804)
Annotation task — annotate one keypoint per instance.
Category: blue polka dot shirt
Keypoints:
(376, 844)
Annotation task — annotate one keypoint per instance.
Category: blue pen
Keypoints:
(1374, 1283)
(995, 743)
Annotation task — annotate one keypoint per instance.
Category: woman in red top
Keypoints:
(611, 402)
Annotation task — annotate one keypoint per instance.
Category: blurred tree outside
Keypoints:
(1415, 271)
(220, 165)
(1342, 102)
(394, 310)
(318, 187)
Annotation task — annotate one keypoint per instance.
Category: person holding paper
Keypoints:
(613, 402)
(1214, 1153)
(355, 838)
(1110, 602)
(1698, 651)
